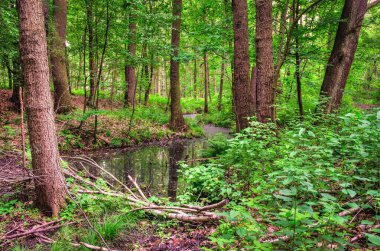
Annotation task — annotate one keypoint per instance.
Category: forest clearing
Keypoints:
(189, 125)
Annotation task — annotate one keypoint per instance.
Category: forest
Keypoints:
(189, 125)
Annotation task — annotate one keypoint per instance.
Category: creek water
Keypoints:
(156, 166)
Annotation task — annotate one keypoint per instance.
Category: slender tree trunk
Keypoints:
(207, 82)
(9, 72)
(91, 52)
(177, 123)
(62, 98)
(281, 45)
(130, 75)
(342, 55)
(195, 79)
(221, 85)
(264, 62)
(240, 87)
(298, 61)
(49, 184)
(150, 81)
(17, 82)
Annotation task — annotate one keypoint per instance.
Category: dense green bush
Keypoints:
(294, 182)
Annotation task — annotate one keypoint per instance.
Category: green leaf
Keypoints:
(350, 192)
(288, 192)
(374, 239)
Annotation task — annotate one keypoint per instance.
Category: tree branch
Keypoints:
(372, 4)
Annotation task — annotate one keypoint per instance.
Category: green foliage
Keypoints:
(297, 179)
(7, 207)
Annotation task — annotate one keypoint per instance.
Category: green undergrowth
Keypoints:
(294, 181)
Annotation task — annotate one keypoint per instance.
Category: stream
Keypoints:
(156, 166)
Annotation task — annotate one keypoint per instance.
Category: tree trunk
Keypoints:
(9, 72)
(264, 62)
(91, 52)
(17, 82)
(62, 98)
(298, 61)
(240, 87)
(343, 52)
(207, 82)
(150, 81)
(49, 184)
(221, 85)
(177, 123)
(130, 75)
(195, 94)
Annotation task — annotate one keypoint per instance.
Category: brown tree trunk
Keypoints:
(240, 87)
(91, 51)
(17, 82)
(49, 182)
(62, 98)
(177, 123)
(296, 7)
(343, 52)
(264, 62)
(130, 75)
(221, 85)
(207, 82)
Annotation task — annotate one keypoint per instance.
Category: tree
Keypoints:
(207, 81)
(130, 76)
(49, 181)
(17, 81)
(342, 54)
(62, 98)
(177, 122)
(91, 51)
(265, 109)
(243, 106)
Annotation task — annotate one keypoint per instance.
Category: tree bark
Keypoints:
(177, 123)
(130, 75)
(264, 62)
(207, 82)
(62, 98)
(342, 55)
(240, 87)
(49, 181)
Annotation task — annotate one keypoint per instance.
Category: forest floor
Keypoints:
(18, 214)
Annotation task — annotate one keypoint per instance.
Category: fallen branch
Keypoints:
(139, 201)
(92, 246)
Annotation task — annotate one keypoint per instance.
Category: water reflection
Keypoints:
(155, 167)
